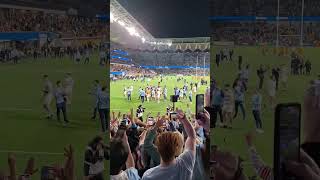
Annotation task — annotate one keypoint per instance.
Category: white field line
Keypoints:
(30, 152)
(16, 109)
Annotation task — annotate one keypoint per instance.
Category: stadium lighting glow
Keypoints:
(170, 44)
(121, 23)
(131, 30)
(111, 17)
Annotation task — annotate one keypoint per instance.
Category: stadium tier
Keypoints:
(266, 30)
(263, 8)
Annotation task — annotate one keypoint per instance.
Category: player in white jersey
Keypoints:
(194, 89)
(94, 92)
(47, 95)
(102, 57)
(272, 91)
(165, 93)
(158, 94)
(153, 94)
(284, 76)
(125, 92)
(87, 56)
(68, 84)
(181, 94)
(77, 56)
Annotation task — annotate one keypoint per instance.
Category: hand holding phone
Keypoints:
(286, 139)
(199, 105)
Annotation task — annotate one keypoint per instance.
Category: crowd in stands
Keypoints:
(166, 57)
(170, 58)
(20, 51)
(254, 33)
(144, 147)
(14, 20)
(264, 8)
(131, 71)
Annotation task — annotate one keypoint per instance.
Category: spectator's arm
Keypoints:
(12, 167)
(264, 171)
(130, 160)
(149, 147)
(142, 137)
(69, 163)
(113, 116)
(190, 143)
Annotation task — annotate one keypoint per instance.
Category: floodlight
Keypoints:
(121, 23)
(131, 30)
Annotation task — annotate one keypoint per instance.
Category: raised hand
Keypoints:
(305, 169)
(12, 166)
(30, 168)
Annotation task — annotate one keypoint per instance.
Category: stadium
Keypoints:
(274, 45)
(146, 73)
(133, 47)
(41, 43)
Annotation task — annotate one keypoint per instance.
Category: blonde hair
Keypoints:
(169, 145)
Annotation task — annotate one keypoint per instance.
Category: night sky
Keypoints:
(171, 18)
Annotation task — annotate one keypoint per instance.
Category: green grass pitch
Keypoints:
(23, 126)
(233, 140)
(118, 102)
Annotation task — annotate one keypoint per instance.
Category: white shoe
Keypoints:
(260, 131)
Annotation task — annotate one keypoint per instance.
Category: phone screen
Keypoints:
(150, 121)
(173, 116)
(287, 138)
(199, 105)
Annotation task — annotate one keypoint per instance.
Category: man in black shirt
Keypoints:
(231, 55)
(308, 67)
(239, 63)
(218, 59)
(260, 72)
(275, 73)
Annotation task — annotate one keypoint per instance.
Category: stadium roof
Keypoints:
(119, 15)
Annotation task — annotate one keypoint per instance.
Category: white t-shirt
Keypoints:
(48, 87)
(128, 174)
(181, 170)
(68, 83)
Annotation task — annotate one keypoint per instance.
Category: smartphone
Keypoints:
(286, 138)
(47, 173)
(150, 121)
(173, 115)
(199, 105)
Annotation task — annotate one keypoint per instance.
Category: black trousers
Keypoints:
(216, 109)
(237, 105)
(62, 107)
(104, 118)
(86, 61)
(95, 110)
(257, 118)
(260, 83)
